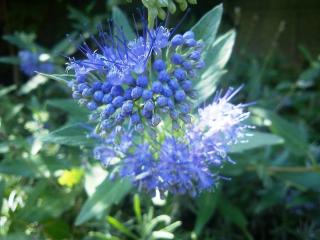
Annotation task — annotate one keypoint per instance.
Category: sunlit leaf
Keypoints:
(255, 140)
(107, 193)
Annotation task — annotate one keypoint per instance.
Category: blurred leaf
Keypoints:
(5, 90)
(9, 60)
(121, 21)
(120, 227)
(308, 77)
(16, 236)
(206, 28)
(23, 41)
(293, 137)
(234, 215)
(64, 78)
(70, 106)
(215, 57)
(72, 135)
(206, 203)
(57, 229)
(33, 83)
(24, 168)
(2, 188)
(65, 46)
(107, 193)
(308, 180)
(255, 140)
(137, 207)
(46, 201)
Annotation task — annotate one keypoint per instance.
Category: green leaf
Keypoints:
(206, 203)
(215, 57)
(2, 188)
(255, 140)
(57, 229)
(137, 207)
(291, 133)
(9, 60)
(307, 180)
(120, 227)
(121, 21)
(64, 78)
(72, 135)
(234, 215)
(23, 41)
(206, 28)
(64, 46)
(46, 201)
(33, 83)
(5, 90)
(107, 193)
(70, 106)
(24, 168)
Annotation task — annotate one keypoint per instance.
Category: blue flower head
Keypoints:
(136, 83)
(143, 86)
(191, 163)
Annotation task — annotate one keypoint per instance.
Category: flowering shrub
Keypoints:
(146, 122)
(141, 94)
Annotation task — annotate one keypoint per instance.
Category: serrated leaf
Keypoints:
(206, 28)
(121, 21)
(257, 139)
(72, 135)
(107, 193)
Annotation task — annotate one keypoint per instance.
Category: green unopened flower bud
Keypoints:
(183, 5)
(161, 14)
(172, 7)
(162, 3)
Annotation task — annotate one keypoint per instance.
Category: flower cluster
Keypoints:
(189, 164)
(30, 62)
(140, 82)
(131, 86)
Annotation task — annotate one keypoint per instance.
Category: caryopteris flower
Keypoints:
(31, 62)
(137, 83)
(191, 163)
(140, 93)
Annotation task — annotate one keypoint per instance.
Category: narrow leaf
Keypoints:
(121, 21)
(73, 135)
(107, 193)
(255, 140)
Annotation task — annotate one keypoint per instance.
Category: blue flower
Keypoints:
(180, 171)
(30, 63)
(118, 70)
(140, 168)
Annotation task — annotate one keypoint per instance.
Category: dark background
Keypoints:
(285, 25)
